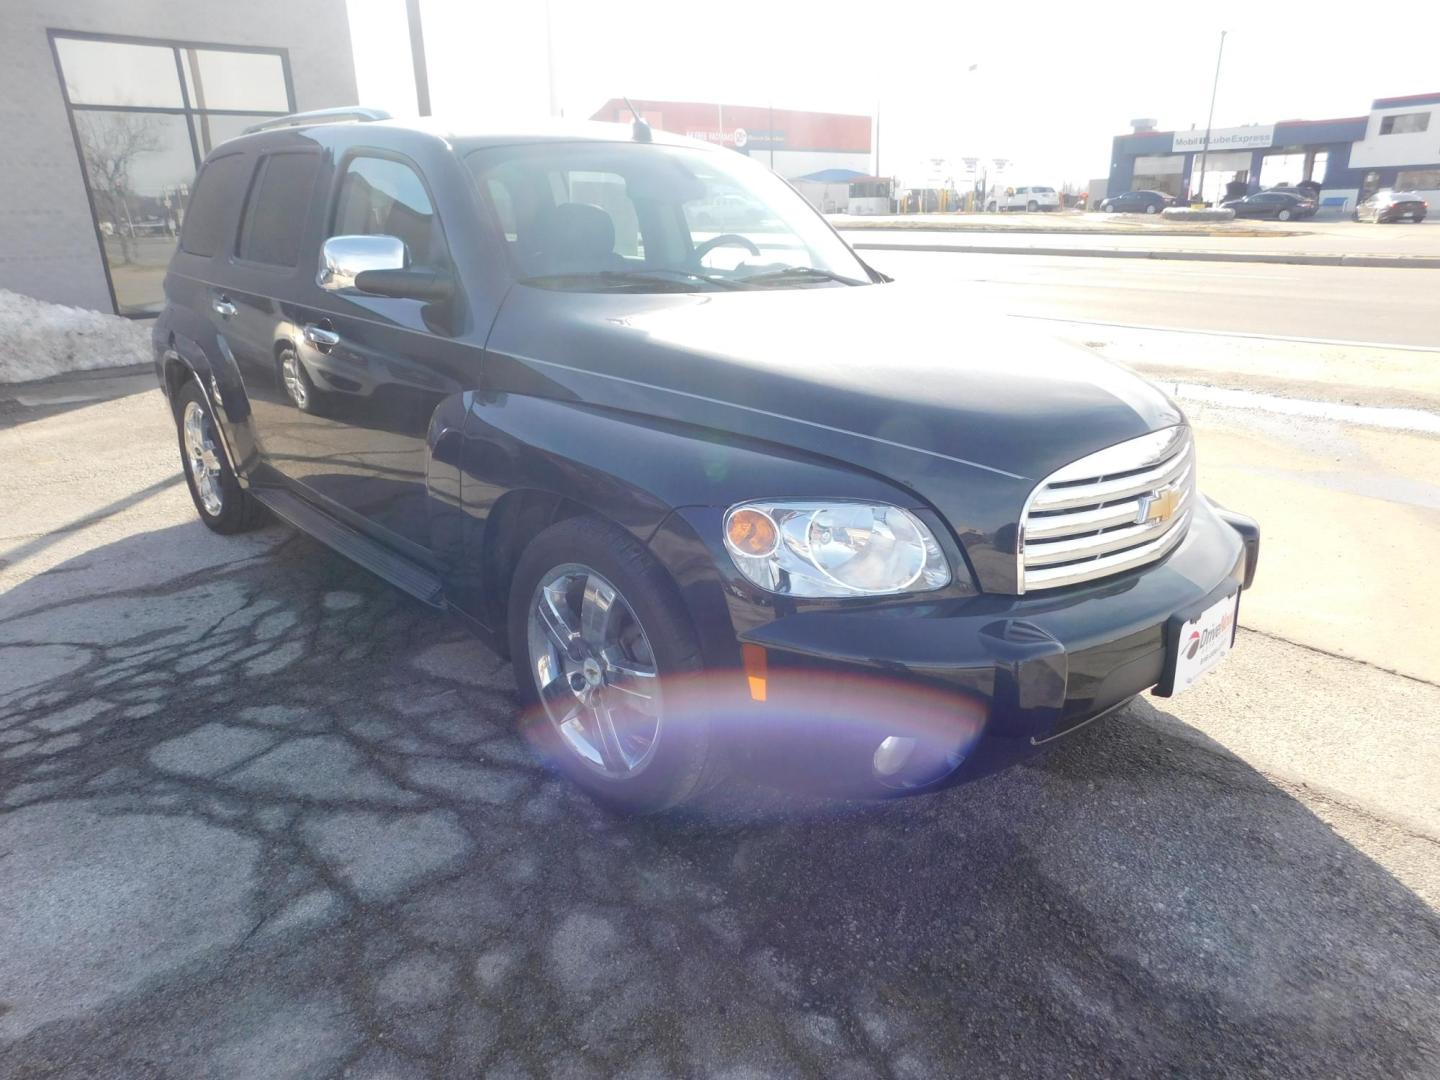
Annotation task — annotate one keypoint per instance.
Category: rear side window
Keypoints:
(219, 187)
(275, 211)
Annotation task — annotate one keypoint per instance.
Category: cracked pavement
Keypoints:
(261, 815)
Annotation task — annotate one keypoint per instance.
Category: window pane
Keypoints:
(112, 73)
(219, 187)
(140, 167)
(212, 129)
(383, 197)
(1404, 123)
(1418, 180)
(275, 212)
(222, 79)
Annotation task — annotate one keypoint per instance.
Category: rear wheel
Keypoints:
(223, 505)
(1283, 215)
(1151, 208)
(1031, 206)
(605, 662)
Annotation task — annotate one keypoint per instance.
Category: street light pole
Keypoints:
(550, 61)
(1209, 120)
(417, 56)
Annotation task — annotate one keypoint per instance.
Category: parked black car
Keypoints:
(1386, 206)
(720, 496)
(1280, 205)
(1137, 202)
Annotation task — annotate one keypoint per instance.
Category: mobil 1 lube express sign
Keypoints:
(1255, 137)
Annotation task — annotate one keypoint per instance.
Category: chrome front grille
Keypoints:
(1119, 508)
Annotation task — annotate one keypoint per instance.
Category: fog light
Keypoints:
(892, 754)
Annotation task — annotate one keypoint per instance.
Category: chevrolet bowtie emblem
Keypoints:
(1158, 506)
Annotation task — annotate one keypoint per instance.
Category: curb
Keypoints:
(1393, 262)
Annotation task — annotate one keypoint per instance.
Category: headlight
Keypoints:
(802, 548)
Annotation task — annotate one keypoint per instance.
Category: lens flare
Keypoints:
(836, 734)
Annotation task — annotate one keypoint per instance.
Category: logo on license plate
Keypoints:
(1203, 639)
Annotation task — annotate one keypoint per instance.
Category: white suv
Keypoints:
(1025, 198)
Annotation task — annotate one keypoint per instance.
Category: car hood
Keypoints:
(966, 409)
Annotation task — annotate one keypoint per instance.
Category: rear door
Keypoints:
(258, 281)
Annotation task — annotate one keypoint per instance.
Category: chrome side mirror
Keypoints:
(342, 257)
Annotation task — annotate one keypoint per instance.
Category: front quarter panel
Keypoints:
(636, 470)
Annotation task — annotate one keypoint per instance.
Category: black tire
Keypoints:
(685, 761)
(1283, 215)
(238, 511)
(1151, 208)
(1031, 206)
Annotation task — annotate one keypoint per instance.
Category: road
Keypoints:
(263, 816)
(1394, 307)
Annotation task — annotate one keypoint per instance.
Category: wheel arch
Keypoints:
(219, 379)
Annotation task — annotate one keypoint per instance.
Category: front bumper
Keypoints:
(986, 679)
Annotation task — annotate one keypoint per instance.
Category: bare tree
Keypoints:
(111, 142)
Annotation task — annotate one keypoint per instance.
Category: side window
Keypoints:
(218, 188)
(275, 211)
(382, 197)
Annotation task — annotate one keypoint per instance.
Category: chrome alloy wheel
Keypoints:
(294, 381)
(595, 671)
(203, 458)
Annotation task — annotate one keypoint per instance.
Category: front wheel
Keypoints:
(607, 665)
(1031, 206)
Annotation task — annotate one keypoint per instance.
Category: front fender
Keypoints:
(632, 469)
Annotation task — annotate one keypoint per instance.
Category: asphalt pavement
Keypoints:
(264, 816)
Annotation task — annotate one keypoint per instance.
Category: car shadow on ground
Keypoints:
(272, 819)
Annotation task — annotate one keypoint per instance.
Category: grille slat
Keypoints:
(1086, 520)
(1072, 494)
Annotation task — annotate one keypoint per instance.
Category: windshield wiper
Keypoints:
(803, 273)
(662, 275)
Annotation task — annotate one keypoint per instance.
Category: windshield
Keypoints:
(641, 217)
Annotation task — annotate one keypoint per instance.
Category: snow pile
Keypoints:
(38, 339)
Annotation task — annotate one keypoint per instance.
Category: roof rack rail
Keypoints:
(319, 116)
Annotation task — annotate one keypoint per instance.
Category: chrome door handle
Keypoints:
(320, 337)
(223, 307)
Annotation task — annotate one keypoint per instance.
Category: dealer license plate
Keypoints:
(1200, 643)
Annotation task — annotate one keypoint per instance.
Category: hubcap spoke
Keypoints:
(597, 612)
(610, 747)
(637, 684)
(557, 619)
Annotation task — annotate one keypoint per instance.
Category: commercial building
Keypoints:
(1397, 145)
(106, 110)
(793, 143)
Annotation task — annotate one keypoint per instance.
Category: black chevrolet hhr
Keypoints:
(725, 495)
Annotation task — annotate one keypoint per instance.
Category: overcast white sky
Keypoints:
(1049, 91)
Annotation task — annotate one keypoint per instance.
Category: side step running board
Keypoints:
(375, 557)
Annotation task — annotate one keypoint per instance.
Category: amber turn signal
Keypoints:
(751, 532)
(757, 670)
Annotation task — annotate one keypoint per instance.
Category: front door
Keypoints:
(377, 368)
